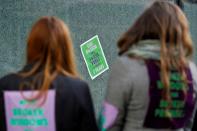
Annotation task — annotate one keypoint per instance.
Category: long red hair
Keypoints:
(50, 49)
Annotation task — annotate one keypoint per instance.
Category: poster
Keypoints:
(24, 115)
(94, 57)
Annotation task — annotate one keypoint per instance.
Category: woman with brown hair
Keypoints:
(47, 95)
(153, 84)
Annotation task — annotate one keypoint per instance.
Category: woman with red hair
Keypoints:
(47, 95)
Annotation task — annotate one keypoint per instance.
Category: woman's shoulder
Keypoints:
(130, 60)
(71, 82)
(9, 76)
(127, 69)
(74, 86)
(128, 63)
(9, 79)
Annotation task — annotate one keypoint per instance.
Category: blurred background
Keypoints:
(86, 18)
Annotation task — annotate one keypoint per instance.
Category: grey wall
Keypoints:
(106, 18)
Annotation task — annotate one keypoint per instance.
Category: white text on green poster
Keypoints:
(94, 57)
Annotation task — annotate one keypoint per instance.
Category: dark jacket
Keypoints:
(73, 105)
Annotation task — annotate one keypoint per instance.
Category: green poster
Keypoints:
(94, 57)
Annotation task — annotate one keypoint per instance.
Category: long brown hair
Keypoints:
(166, 22)
(50, 49)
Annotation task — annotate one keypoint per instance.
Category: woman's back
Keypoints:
(129, 91)
(47, 94)
(153, 85)
(72, 104)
